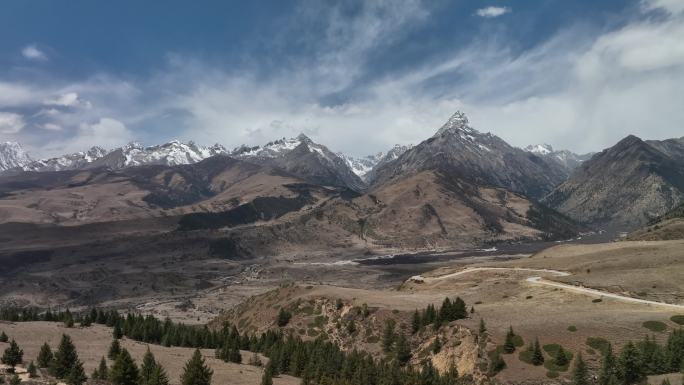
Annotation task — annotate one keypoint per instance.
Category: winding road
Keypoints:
(541, 281)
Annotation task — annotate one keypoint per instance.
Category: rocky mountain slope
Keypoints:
(567, 159)
(217, 184)
(625, 185)
(12, 155)
(460, 151)
(667, 227)
(364, 167)
(305, 159)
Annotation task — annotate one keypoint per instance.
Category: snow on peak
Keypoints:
(458, 122)
(541, 149)
(272, 149)
(12, 155)
(171, 153)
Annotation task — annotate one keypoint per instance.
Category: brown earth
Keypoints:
(93, 342)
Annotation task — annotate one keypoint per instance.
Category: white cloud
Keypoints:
(11, 123)
(51, 127)
(578, 90)
(104, 132)
(671, 6)
(68, 99)
(13, 94)
(32, 52)
(491, 12)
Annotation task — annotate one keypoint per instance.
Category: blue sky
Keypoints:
(358, 76)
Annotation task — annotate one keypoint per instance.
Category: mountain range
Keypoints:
(458, 187)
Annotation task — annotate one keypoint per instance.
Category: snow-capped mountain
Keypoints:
(12, 155)
(459, 150)
(568, 159)
(539, 149)
(303, 158)
(73, 161)
(361, 166)
(133, 154)
(172, 153)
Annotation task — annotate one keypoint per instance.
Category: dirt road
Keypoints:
(540, 281)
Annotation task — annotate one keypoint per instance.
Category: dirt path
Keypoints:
(545, 282)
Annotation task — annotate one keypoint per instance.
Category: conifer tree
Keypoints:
(3, 337)
(561, 357)
(101, 372)
(283, 317)
(580, 373)
(234, 355)
(15, 380)
(124, 371)
(388, 336)
(147, 368)
(196, 372)
(537, 354)
(608, 372)
(68, 319)
(483, 327)
(159, 376)
(13, 355)
(415, 322)
(76, 374)
(267, 377)
(114, 350)
(509, 344)
(436, 345)
(630, 365)
(32, 370)
(117, 333)
(45, 356)
(403, 349)
(497, 363)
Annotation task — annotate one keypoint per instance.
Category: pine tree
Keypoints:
(580, 373)
(415, 322)
(537, 354)
(196, 371)
(15, 380)
(101, 372)
(3, 337)
(117, 333)
(630, 365)
(32, 370)
(561, 358)
(436, 345)
(114, 350)
(483, 327)
(103, 369)
(13, 355)
(403, 349)
(147, 368)
(388, 336)
(234, 355)
(267, 377)
(497, 363)
(45, 356)
(283, 317)
(159, 376)
(68, 319)
(76, 374)
(124, 371)
(509, 344)
(608, 372)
